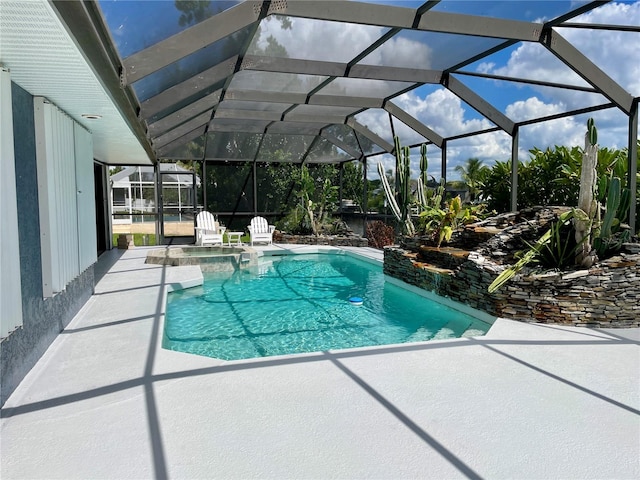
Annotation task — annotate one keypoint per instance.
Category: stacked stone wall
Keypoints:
(332, 240)
(606, 295)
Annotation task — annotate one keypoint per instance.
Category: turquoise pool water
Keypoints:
(300, 303)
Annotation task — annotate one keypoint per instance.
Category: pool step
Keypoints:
(453, 329)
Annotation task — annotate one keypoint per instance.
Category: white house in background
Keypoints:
(133, 191)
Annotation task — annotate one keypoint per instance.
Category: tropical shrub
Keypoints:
(316, 200)
(352, 182)
(550, 177)
(496, 187)
(439, 224)
(295, 222)
(473, 173)
(543, 180)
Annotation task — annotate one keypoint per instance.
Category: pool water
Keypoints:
(300, 303)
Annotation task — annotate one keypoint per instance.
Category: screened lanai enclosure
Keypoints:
(245, 93)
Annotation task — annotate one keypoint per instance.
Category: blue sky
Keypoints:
(138, 24)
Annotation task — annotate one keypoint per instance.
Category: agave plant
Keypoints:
(537, 247)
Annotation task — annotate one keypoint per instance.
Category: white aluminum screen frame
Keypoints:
(10, 279)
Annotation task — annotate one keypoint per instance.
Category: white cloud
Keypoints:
(616, 53)
(531, 108)
(401, 51)
(441, 111)
(446, 115)
(486, 67)
(326, 41)
(533, 61)
(376, 120)
(612, 14)
(564, 131)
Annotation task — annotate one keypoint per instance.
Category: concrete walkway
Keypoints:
(524, 402)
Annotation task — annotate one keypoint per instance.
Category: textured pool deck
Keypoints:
(523, 402)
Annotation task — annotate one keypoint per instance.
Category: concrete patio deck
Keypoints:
(523, 402)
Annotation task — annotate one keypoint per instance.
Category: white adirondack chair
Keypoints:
(208, 229)
(260, 230)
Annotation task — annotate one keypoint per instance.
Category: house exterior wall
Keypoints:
(43, 319)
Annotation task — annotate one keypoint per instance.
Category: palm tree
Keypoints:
(472, 173)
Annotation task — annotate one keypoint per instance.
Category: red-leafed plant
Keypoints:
(380, 234)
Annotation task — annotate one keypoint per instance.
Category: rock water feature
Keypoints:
(605, 295)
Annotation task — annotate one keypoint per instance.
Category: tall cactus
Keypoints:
(403, 180)
(400, 200)
(422, 179)
(424, 199)
(586, 198)
(424, 163)
(613, 202)
(610, 234)
(599, 235)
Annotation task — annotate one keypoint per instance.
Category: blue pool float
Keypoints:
(355, 301)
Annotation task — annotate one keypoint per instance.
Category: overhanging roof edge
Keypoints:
(84, 24)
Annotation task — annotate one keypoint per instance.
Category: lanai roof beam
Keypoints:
(198, 83)
(414, 123)
(584, 67)
(341, 145)
(171, 135)
(182, 44)
(339, 69)
(186, 138)
(479, 103)
(409, 18)
(364, 131)
(184, 114)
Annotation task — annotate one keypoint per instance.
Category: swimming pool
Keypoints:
(300, 303)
